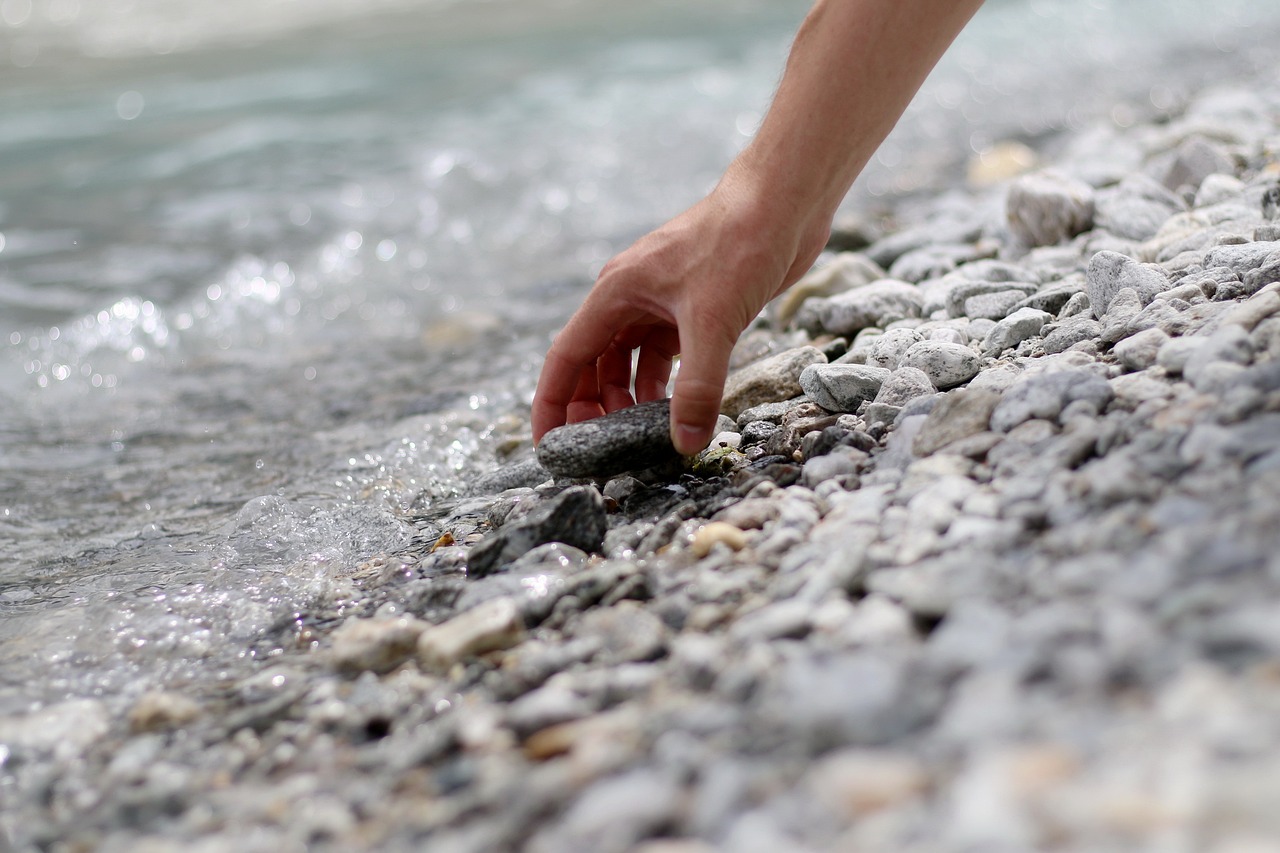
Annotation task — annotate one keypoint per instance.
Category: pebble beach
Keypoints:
(984, 557)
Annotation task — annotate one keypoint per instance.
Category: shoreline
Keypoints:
(1010, 581)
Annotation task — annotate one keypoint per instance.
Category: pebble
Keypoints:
(375, 645)
(1138, 352)
(1048, 207)
(629, 439)
(490, 626)
(945, 364)
(718, 533)
(903, 385)
(894, 644)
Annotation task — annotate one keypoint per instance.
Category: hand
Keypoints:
(689, 289)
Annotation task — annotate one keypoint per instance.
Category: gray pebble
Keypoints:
(946, 365)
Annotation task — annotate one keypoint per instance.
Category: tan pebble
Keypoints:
(1035, 768)
(550, 742)
(496, 624)
(158, 711)
(376, 645)
(859, 782)
(446, 539)
(717, 531)
(1000, 162)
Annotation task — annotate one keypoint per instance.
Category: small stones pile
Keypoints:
(985, 556)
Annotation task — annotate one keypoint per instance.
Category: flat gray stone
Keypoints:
(842, 387)
(629, 439)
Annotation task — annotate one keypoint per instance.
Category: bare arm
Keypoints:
(693, 285)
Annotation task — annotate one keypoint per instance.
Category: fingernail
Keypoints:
(690, 439)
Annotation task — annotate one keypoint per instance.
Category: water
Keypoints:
(273, 278)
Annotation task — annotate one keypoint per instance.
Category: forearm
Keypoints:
(853, 68)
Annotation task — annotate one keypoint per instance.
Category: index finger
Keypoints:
(576, 348)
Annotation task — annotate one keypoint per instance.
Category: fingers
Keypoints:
(653, 369)
(695, 405)
(613, 371)
(564, 380)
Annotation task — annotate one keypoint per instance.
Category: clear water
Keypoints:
(271, 275)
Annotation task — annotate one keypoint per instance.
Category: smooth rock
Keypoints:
(717, 533)
(993, 306)
(490, 626)
(946, 365)
(842, 387)
(523, 474)
(770, 380)
(1048, 207)
(629, 439)
(1229, 344)
(625, 632)
(575, 517)
(1197, 158)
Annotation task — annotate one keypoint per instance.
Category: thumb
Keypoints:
(695, 404)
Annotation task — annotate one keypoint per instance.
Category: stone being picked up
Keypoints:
(629, 439)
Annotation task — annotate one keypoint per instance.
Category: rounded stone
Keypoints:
(947, 365)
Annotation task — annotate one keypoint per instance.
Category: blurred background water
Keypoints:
(272, 274)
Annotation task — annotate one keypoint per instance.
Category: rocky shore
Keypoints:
(986, 556)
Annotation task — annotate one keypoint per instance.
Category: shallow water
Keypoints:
(269, 280)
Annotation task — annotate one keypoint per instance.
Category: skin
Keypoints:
(690, 287)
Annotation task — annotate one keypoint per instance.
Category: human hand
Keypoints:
(689, 289)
